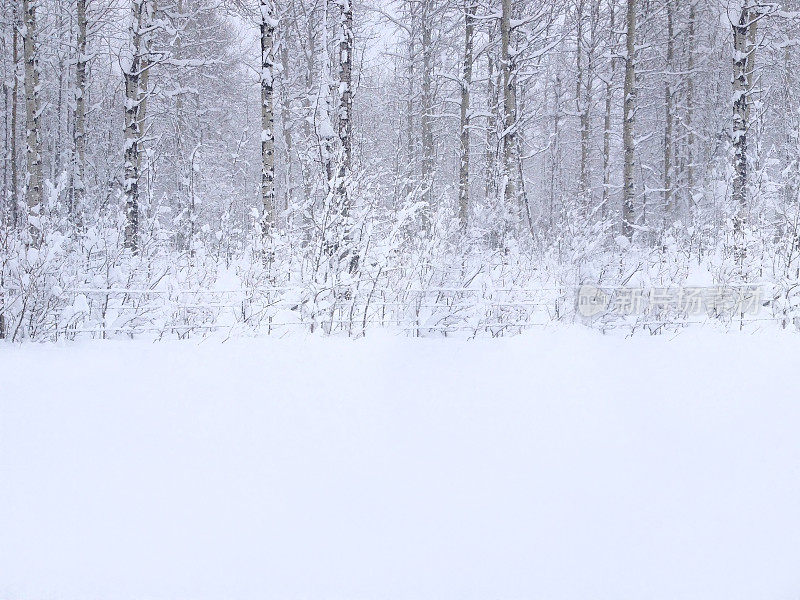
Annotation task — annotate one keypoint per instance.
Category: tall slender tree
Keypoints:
(426, 117)
(14, 183)
(508, 61)
(33, 189)
(345, 126)
(609, 102)
(669, 116)
(78, 187)
(133, 126)
(741, 28)
(629, 115)
(268, 25)
(470, 8)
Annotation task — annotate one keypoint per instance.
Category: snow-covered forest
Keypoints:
(172, 167)
(254, 256)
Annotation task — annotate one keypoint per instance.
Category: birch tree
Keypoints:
(629, 114)
(492, 112)
(426, 118)
(133, 126)
(470, 8)
(609, 102)
(345, 125)
(668, 112)
(741, 79)
(267, 78)
(508, 64)
(33, 189)
(78, 187)
(14, 183)
(691, 50)
(585, 47)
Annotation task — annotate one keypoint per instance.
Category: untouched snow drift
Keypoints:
(554, 466)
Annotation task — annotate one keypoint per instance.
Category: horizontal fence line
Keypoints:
(362, 290)
(364, 287)
(346, 310)
(366, 291)
(174, 328)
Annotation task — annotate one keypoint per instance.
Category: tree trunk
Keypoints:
(79, 119)
(628, 123)
(287, 128)
(608, 107)
(669, 208)
(345, 124)
(411, 147)
(740, 121)
(149, 8)
(426, 119)
(509, 108)
(581, 103)
(690, 183)
(133, 131)
(310, 92)
(268, 24)
(33, 193)
(492, 119)
(14, 127)
(470, 8)
(325, 129)
(183, 174)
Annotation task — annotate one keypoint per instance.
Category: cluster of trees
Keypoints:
(315, 127)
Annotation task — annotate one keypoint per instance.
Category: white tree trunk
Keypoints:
(14, 122)
(740, 117)
(411, 142)
(133, 128)
(79, 118)
(508, 64)
(426, 118)
(612, 43)
(470, 8)
(690, 75)
(33, 192)
(268, 25)
(669, 208)
(492, 119)
(345, 126)
(582, 103)
(628, 123)
(286, 117)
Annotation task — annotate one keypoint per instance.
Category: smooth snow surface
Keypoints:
(552, 466)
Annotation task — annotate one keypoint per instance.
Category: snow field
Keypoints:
(557, 465)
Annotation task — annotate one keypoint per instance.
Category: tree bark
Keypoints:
(268, 24)
(509, 107)
(612, 39)
(411, 147)
(79, 119)
(133, 131)
(691, 49)
(669, 208)
(492, 118)
(740, 118)
(470, 8)
(581, 103)
(33, 192)
(14, 126)
(287, 127)
(345, 124)
(629, 112)
(426, 119)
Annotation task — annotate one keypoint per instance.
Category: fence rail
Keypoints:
(88, 312)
